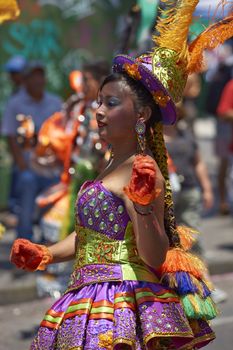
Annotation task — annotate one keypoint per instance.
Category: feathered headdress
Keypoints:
(165, 70)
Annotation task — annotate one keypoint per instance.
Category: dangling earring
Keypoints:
(140, 128)
(111, 154)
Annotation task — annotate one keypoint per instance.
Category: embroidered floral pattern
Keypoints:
(105, 340)
(132, 70)
(160, 98)
(104, 252)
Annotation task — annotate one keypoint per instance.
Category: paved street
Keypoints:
(18, 322)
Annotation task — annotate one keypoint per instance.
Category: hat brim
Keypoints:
(151, 83)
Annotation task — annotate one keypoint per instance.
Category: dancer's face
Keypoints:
(116, 115)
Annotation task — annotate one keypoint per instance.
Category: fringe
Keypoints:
(183, 283)
(180, 260)
(185, 274)
(187, 238)
(196, 307)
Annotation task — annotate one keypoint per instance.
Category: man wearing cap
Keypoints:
(31, 100)
(14, 67)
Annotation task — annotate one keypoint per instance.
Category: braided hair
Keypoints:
(155, 141)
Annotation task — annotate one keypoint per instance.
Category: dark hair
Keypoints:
(99, 69)
(155, 141)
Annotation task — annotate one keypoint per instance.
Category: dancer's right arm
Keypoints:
(31, 257)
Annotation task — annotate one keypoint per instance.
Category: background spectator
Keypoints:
(34, 101)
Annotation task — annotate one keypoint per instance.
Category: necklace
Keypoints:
(113, 164)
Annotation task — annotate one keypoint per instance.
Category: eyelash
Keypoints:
(109, 103)
(112, 103)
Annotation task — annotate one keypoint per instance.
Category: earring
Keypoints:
(111, 153)
(140, 129)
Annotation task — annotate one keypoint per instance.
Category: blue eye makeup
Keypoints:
(113, 101)
(109, 101)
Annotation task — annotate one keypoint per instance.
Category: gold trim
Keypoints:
(93, 282)
(160, 334)
(209, 337)
(123, 341)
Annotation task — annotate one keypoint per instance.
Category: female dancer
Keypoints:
(134, 285)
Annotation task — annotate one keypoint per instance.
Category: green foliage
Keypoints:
(63, 34)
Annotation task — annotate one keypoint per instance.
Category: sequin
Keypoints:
(105, 205)
(102, 225)
(90, 221)
(92, 202)
(101, 195)
(120, 209)
(111, 217)
(97, 213)
(116, 228)
(85, 210)
(91, 191)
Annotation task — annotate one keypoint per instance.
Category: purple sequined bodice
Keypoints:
(101, 210)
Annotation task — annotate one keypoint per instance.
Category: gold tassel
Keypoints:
(208, 40)
(186, 235)
(173, 26)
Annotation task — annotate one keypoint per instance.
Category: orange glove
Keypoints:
(141, 188)
(30, 256)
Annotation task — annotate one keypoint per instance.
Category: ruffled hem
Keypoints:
(137, 314)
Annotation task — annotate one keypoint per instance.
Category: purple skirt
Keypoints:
(132, 314)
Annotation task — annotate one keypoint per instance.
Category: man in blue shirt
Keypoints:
(31, 100)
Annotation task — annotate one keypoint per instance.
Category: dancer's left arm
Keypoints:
(151, 238)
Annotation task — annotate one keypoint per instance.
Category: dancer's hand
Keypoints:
(30, 256)
(142, 187)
